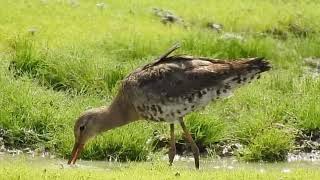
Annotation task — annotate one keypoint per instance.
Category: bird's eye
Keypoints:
(81, 128)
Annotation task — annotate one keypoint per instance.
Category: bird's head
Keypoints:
(98, 120)
(86, 127)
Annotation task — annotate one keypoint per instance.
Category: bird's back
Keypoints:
(171, 88)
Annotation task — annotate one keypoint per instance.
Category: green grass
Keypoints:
(59, 59)
(265, 148)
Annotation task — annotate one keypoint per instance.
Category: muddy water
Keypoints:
(303, 160)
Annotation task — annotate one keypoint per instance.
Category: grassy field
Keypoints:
(24, 168)
(61, 57)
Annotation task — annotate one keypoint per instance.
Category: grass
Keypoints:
(20, 168)
(59, 58)
(264, 148)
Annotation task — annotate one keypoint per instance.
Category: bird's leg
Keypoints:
(193, 145)
(172, 150)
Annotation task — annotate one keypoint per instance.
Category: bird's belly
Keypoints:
(170, 109)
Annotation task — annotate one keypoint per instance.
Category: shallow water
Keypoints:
(306, 160)
(294, 162)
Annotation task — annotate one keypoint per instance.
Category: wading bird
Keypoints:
(165, 91)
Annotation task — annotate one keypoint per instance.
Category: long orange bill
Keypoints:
(77, 148)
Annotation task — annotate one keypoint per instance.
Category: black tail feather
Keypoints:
(259, 63)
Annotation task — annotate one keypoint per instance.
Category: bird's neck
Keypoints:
(119, 113)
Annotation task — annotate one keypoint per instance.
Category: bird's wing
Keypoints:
(179, 76)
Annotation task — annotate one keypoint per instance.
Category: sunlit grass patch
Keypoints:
(270, 145)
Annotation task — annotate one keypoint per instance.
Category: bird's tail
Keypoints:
(258, 64)
(247, 70)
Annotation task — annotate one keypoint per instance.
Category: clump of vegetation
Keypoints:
(271, 145)
(71, 71)
(24, 59)
(205, 129)
(24, 138)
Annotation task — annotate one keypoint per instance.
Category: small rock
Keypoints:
(231, 36)
(225, 150)
(149, 141)
(167, 16)
(312, 62)
(13, 151)
(74, 3)
(101, 5)
(262, 170)
(216, 27)
(26, 150)
(45, 154)
(177, 174)
(61, 165)
(286, 170)
(30, 152)
(33, 30)
(238, 146)
(230, 167)
(3, 149)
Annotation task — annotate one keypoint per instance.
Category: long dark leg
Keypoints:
(172, 150)
(194, 146)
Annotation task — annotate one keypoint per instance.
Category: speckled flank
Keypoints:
(177, 107)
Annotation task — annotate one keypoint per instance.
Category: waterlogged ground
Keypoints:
(28, 167)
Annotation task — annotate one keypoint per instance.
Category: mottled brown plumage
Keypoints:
(167, 90)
